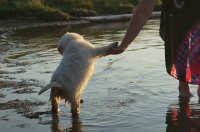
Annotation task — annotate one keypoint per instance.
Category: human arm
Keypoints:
(139, 18)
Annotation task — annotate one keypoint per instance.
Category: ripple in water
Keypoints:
(128, 92)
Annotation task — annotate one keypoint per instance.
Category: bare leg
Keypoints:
(198, 91)
(184, 90)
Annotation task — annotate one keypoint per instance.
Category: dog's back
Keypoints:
(77, 64)
(74, 71)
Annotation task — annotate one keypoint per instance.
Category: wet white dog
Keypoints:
(74, 71)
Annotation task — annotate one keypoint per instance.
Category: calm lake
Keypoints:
(130, 92)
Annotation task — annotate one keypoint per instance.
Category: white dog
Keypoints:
(74, 71)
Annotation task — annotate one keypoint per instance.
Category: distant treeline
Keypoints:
(63, 9)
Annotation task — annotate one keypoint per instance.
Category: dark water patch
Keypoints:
(22, 107)
(5, 117)
(23, 85)
(20, 104)
(22, 70)
(24, 125)
(21, 54)
(7, 77)
(4, 47)
(36, 115)
(25, 91)
(126, 102)
(47, 72)
(5, 84)
(6, 43)
(13, 63)
(2, 95)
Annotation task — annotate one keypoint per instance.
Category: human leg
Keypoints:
(184, 90)
(198, 91)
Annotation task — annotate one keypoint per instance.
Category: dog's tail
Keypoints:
(48, 86)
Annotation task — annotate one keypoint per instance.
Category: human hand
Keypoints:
(117, 49)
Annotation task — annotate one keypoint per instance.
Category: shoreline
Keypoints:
(12, 25)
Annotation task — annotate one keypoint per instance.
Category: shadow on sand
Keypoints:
(183, 117)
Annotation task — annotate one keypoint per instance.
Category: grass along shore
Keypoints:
(53, 10)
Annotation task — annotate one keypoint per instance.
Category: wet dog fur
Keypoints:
(74, 71)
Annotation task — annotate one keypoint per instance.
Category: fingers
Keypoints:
(116, 49)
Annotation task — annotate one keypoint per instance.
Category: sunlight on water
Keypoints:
(128, 92)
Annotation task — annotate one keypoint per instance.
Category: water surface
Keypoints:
(128, 92)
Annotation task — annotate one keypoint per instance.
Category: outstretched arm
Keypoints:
(139, 18)
(103, 51)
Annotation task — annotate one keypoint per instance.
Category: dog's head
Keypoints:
(66, 40)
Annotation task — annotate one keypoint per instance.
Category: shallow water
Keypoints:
(128, 92)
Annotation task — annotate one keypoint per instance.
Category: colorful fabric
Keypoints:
(186, 66)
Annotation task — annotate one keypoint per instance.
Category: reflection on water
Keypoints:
(56, 126)
(128, 92)
(183, 117)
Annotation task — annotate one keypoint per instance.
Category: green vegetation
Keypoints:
(30, 9)
(63, 9)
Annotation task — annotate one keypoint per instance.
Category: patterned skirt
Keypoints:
(186, 64)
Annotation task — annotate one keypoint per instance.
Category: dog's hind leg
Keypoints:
(55, 104)
(55, 99)
(75, 107)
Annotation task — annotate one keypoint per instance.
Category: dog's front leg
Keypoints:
(103, 51)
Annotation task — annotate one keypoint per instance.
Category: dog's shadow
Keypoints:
(56, 126)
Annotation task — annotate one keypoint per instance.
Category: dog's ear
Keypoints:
(64, 41)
